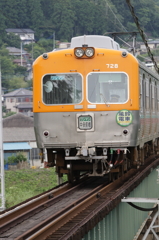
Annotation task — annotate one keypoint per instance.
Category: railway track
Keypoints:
(74, 212)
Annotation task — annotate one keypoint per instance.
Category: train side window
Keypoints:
(153, 97)
(147, 95)
(143, 92)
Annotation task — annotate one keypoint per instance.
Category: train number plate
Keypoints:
(84, 122)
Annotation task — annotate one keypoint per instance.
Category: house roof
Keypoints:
(19, 61)
(18, 128)
(19, 30)
(24, 105)
(18, 120)
(19, 93)
(18, 134)
(16, 51)
(16, 146)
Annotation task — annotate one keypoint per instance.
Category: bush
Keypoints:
(12, 159)
(19, 157)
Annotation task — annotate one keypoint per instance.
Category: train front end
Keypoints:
(86, 106)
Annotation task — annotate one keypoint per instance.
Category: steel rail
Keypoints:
(25, 207)
(10, 220)
(53, 223)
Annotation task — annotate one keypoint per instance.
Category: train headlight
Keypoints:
(89, 52)
(79, 52)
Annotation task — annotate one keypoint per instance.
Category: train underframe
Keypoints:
(98, 161)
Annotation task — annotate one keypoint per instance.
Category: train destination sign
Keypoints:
(124, 118)
(85, 122)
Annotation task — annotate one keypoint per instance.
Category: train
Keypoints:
(96, 108)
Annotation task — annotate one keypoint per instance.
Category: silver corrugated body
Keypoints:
(63, 132)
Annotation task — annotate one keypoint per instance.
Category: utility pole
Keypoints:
(53, 40)
(21, 63)
(2, 194)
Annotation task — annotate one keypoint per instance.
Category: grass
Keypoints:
(26, 183)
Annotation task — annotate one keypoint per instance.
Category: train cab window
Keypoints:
(62, 88)
(107, 87)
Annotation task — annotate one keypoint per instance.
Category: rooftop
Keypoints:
(18, 128)
(18, 120)
(19, 93)
(19, 30)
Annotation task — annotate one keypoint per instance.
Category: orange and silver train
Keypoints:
(96, 108)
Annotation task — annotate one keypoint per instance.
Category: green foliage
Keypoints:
(20, 70)
(19, 157)
(11, 159)
(26, 183)
(38, 50)
(75, 17)
(12, 40)
(4, 109)
(140, 58)
(9, 114)
(17, 82)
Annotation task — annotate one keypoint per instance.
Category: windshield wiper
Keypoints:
(104, 100)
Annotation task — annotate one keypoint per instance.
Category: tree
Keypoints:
(38, 51)
(16, 82)
(35, 15)
(84, 11)
(12, 40)
(63, 18)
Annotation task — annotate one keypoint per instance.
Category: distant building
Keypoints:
(17, 52)
(19, 136)
(20, 100)
(20, 62)
(26, 35)
(152, 44)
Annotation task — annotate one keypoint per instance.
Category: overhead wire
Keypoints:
(115, 16)
(142, 35)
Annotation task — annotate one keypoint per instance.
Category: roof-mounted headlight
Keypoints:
(79, 52)
(89, 52)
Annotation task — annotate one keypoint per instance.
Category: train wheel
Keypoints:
(73, 176)
(70, 177)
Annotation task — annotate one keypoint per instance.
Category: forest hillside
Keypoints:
(69, 18)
